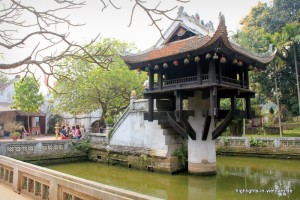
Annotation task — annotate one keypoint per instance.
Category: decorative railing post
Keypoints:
(56, 128)
(133, 97)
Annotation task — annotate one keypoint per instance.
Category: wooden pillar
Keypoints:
(248, 106)
(220, 73)
(199, 74)
(159, 78)
(178, 111)
(233, 102)
(246, 78)
(151, 79)
(213, 101)
(212, 71)
(242, 77)
(218, 104)
(150, 108)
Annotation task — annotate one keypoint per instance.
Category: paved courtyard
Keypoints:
(39, 137)
(7, 194)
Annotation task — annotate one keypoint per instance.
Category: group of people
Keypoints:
(72, 133)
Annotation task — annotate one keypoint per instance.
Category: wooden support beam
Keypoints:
(178, 111)
(221, 128)
(161, 115)
(206, 126)
(150, 109)
(189, 129)
(183, 128)
(159, 78)
(199, 73)
(176, 126)
(248, 106)
(151, 79)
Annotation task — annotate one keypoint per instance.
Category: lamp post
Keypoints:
(277, 100)
(297, 79)
(56, 130)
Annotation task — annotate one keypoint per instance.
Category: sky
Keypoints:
(114, 23)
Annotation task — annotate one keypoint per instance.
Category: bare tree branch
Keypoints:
(23, 23)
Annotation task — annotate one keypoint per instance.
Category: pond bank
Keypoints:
(283, 148)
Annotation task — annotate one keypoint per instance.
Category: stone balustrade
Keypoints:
(40, 183)
(284, 142)
(43, 152)
(18, 148)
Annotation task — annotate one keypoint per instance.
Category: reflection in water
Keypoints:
(237, 178)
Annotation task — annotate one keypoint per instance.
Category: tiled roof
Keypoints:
(196, 43)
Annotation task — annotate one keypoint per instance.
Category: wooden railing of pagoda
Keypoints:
(204, 80)
(41, 183)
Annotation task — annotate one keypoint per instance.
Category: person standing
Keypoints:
(102, 124)
(77, 132)
(82, 129)
(63, 133)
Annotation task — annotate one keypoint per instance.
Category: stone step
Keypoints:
(173, 139)
(171, 149)
(169, 131)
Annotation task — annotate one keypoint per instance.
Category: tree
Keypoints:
(3, 79)
(34, 27)
(88, 87)
(27, 97)
(263, 26)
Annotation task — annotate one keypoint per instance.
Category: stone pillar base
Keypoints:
(203, 169)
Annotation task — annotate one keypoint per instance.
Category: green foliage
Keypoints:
(182, 154)
(87, 87)
(253, 142)
(15, 134)
(53, 119)
(109, 120)
(110, 133)
(271, 110)
(224, 140)
(3, 78)
(278, 24)
(13, 126)
(27, 97)
(83, 145)
(256, 143)
(235, 127)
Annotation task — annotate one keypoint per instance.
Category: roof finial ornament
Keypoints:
(221, 19)
(197, 17)
(180, 10)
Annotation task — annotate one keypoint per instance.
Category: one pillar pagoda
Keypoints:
(201, 66)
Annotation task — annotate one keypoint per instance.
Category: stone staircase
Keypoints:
(172, 139)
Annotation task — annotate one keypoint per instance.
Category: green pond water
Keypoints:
(237, 178)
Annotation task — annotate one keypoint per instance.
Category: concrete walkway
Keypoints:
(40, 137)
(7, 193)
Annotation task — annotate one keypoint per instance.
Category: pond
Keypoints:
(237, 178)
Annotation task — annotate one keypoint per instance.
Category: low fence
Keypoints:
(21, 148)
(271, 130)
(283, 148)
(284, 142)
(40, 183)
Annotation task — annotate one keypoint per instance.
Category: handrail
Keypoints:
(180, 80)
(41, 183)
(119, 121)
